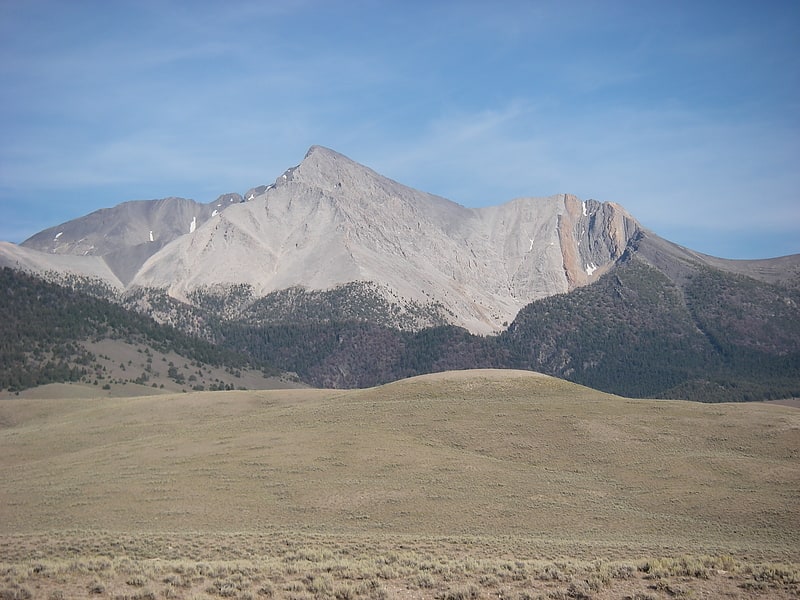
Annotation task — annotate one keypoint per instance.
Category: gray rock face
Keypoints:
(329, 222)
(129, 233)
(33, 261)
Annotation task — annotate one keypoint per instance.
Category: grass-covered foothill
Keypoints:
(479, 484)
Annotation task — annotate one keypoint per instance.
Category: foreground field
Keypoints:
(305, 566)
(459, 485)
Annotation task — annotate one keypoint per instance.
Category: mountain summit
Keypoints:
(330, 222)
(331, 226)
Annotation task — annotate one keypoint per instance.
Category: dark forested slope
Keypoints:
(42, 324)
(635, 332)
(709, 335)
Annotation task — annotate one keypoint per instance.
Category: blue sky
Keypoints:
(686, 113)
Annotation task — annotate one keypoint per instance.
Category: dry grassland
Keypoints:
(479, 484)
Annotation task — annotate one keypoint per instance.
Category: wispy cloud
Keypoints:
(667, 167)
(683, 114)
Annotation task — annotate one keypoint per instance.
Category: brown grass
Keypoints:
(472, 484)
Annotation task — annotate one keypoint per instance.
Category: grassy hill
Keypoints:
(428, 485)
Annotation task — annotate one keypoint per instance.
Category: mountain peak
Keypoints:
(326, 170)
(330, 162)
(330, 221)
(315, 149)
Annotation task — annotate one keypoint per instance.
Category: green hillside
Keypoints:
(634, 332)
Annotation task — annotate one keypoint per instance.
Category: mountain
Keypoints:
(350, 279)
(718, 337)
(126, 235)
(712, 335)
(331, 222)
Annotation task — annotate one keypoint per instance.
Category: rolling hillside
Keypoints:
(469, 453)
(51, 333)
(462, 484)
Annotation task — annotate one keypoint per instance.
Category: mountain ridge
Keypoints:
(128, 233)
(351, 279)
(330, 221)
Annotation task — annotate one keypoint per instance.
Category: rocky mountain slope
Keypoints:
(330, 222)
(126, 235)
